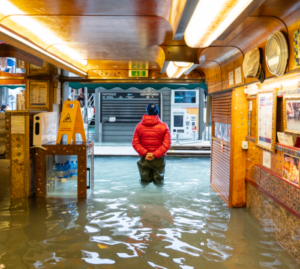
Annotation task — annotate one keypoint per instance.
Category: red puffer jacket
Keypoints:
(151, 135)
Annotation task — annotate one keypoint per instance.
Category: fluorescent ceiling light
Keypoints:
(36, 28)
(29, 44)
(210, 19)
(176, 69)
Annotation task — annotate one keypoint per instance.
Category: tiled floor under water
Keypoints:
(180, 224)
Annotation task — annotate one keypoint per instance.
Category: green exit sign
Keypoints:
(138, 73)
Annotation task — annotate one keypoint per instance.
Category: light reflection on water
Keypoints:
(126, 224)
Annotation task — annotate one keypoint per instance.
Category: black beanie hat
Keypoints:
(152, 109)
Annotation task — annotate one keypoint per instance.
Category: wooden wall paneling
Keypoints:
(249, 163)
(253, 118)
(230, 65)
(213, 76)
(277, 162)
(239, 131)
(22, 180)
(253, 157)
(227, 59)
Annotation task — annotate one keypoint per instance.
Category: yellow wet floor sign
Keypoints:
(71, 122)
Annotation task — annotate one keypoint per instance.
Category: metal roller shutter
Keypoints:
(127, 108)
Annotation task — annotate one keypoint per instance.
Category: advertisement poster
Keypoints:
(290, 169)
(265, 120)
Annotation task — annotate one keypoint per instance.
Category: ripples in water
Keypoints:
(126, 224)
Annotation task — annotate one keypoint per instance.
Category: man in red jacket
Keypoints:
(151, 140)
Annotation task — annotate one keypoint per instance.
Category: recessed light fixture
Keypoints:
(176, 69)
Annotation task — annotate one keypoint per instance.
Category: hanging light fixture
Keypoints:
(176, 69)
(210, 19)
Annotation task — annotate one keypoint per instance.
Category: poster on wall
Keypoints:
(291, 113)
(290, 169)
(238, 75)
(222, 131)
(267, 159)
(266, 126)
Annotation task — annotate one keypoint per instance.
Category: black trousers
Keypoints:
(152, 170)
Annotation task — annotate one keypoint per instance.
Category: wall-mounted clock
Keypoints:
(277, 54)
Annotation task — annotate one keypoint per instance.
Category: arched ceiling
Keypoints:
(109, 34)
(89, 33)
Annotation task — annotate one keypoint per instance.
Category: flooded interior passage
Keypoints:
(127, 224)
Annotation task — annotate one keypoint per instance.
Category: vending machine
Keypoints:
(185, 114)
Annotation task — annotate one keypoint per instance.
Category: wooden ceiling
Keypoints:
(99, 32)
(108, 34)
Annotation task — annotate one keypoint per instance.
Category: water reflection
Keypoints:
(126, 224)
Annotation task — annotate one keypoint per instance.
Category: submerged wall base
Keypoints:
(283, 225)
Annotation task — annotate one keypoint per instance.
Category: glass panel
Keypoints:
(61, 176)
(187, 97)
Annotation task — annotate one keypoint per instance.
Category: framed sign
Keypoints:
(266, 119)
(291, 114)
(37, 94)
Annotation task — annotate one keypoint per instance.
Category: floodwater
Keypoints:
(180, 224)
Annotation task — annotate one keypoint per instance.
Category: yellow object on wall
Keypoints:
(71, 122)
(194, 111)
